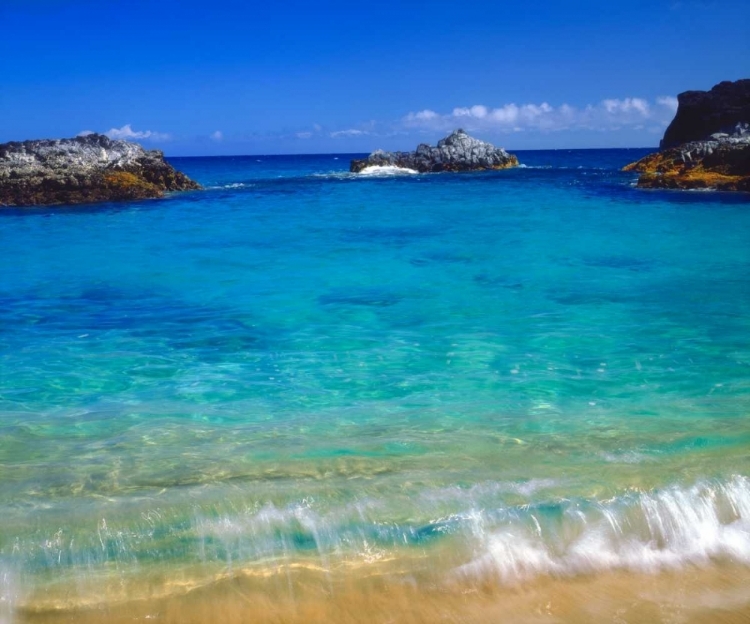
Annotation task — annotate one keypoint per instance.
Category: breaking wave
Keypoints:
(386, 170)
(645, 532)
(641, 532)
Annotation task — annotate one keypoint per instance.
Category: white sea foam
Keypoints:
(643, 532)
(648, 532)
(335, 175)
(232, 185)
(374, 171)
(386, 170)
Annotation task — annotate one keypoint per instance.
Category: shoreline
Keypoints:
(301, 594)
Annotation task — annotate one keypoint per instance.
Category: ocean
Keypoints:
(305, 395)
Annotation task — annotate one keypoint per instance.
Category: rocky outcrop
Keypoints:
(84, 169)
(707, 145)
(722, 164)
(703, 113)
(456, 152)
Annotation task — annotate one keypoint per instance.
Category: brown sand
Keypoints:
(719, 594)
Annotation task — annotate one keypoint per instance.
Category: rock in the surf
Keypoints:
(85, 169)
(456, 152)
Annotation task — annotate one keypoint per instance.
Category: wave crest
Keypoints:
(386, 170)
(644, 532)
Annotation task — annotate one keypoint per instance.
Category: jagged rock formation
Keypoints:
(722, 163)
(456, 152)
(703, 113)
(84, 169)
(707, 145)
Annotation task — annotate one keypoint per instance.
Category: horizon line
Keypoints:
(546, 149)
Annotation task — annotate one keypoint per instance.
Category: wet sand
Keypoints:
(719, 594)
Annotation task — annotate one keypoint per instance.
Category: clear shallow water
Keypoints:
(515, 375)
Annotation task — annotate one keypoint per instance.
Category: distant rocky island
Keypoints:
(456, 152)
(85, 169)
(707, 145)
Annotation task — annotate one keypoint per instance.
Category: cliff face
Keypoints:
(456, 152)
(707, 145)
(703, 113)
(84, 169)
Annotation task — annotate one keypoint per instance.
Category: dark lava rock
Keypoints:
(703, 113)
(707, 145)
(84, 169)
(456, 152)
(722, 164)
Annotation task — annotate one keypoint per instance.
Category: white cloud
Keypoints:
(217, 136)
(126, 133)
(669, 101)
(347, 133)
(505, 115)
(477, 111)
(628, 105)
(84, 133)
(424, 114)
(304, 135)
(609, 114)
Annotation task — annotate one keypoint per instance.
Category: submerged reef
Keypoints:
(707, 145)
(85, 169)
(456, 152)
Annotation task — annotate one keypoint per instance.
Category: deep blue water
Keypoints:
(302, 362)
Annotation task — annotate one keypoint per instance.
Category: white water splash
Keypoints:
(386, 170)
(233, 185)
(649, 533)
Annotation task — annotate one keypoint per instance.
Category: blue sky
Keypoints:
(243, 77)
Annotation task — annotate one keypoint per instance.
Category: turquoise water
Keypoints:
(540, 371)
